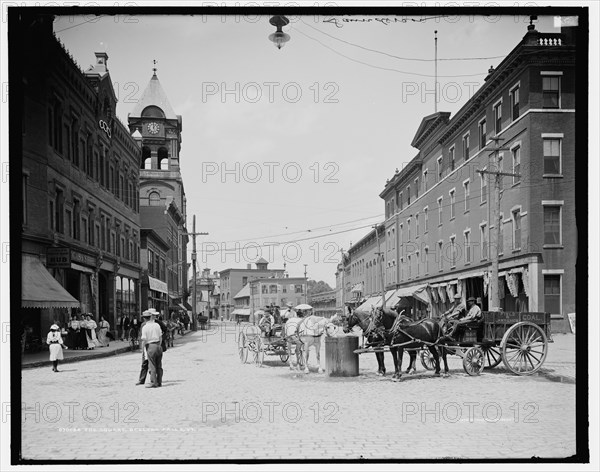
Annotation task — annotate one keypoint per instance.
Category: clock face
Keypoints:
(153, 128)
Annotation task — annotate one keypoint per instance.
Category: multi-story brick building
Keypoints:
(277, 291)
(80, 168)
(439, 209)
(232, 280)
(324, 303)
(154, 258)
(163, 206)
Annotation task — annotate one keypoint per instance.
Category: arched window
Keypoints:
(146, 158)
(154, 198)
(163, 159)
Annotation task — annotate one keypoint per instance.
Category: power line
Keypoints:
(399, 57)
(390, 69)
(82, 23)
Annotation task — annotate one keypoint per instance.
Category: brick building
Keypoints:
(439, 208)
(154, 258)
(80, 170)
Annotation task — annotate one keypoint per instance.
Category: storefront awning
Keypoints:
(157, 285)
(371, 302)
(418, 291)
(241, 311)
(81, 268)
(182, 307)
(39, 289)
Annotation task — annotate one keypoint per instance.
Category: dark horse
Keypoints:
(381, 337)
(406, 334)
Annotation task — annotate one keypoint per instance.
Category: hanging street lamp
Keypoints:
(279, 37)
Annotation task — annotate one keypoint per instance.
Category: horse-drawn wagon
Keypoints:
(519, 340)
(252, 339)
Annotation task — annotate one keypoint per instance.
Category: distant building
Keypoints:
(233, 280)
(154, 258)
(325, 303)
(207, 293)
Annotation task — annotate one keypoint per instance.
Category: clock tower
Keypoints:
(154, 123)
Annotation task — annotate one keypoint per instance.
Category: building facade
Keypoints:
(325, 303)
(162, 201)
(277, 291)
(440, 208)
(154, 258)
(80, 172)
(232, 280)
(207, 293)
(364, 277)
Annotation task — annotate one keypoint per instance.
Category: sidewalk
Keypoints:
(40, 359)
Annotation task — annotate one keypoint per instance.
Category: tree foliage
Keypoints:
(315, 287)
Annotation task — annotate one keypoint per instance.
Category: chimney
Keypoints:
(568, 29)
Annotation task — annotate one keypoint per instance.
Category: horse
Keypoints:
(381, 337)
(310, 331)
(406, 334)
(291, 338)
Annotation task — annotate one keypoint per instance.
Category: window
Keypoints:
(484, 188)
(552, 229)
(440, 200)
(154, 198)
(466, 142)
(264, 289)
(69, 223)
(498, 118)
(283, 290)
(552, 164)
(402, 268)
(59, 202)
(408, 229)
(84, 225)
(516, 158)
(484, 241)
(24, 198)
(426, 260)
(400, 200)
(467, 195)
(514, 103)
(244, 281)
(162, 274)
(417, 225)
(453, 251)
(452, 157)
(516, 229)
(551, 92)
(482, 134)
(409, 266)
(425, 219)
(408, 195)
(467, 246)
(151, 263)
(416, 188)
(417, 263)
(439, 168)
(425, 172)
(400, 233)
(272, 288)
(452, 204)
(552, 294)
(298, 289)
(440, 256)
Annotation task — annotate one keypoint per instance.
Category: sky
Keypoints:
(284, 152)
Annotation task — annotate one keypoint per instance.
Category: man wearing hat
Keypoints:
(151, 342)
(457, 310)
(288, 313)
(473, 314)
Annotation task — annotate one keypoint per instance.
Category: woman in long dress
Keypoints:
(73, 333)
(54, 340)
(81, 334)
(103, 327)
(90, 332)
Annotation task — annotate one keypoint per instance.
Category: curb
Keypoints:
(68, 360)
(96, 355)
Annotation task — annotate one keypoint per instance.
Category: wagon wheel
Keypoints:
(242, 348)
(259, 354)
(524, 348)
(492, 356)
(427, 359)
(473, 361)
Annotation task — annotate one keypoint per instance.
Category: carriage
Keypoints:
(252, 339)
(519, 340)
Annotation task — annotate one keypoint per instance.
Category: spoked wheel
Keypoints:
(524, 348)
(492, 356)
(259, 354)
(473, 361)
(242, 348)
(427, 360)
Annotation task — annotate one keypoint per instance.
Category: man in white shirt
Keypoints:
(151, 339)
(288, 313)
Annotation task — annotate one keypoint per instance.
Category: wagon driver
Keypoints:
(473, 314)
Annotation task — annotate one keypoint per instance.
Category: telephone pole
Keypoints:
(193, 234)
(343, 286)
(379, 254)
(494, 169)
(305, 285)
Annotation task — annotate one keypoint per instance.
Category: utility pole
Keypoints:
(343, 285)
(494, 169)
(193, 234)
(379, 254)
(305, 285)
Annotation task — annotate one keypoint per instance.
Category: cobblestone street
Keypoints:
(213, 407)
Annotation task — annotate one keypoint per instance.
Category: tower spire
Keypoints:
(154, 68)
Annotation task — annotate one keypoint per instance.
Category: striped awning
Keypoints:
(39, 289)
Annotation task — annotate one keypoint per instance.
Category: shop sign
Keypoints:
(58, 258)
(81, 258)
